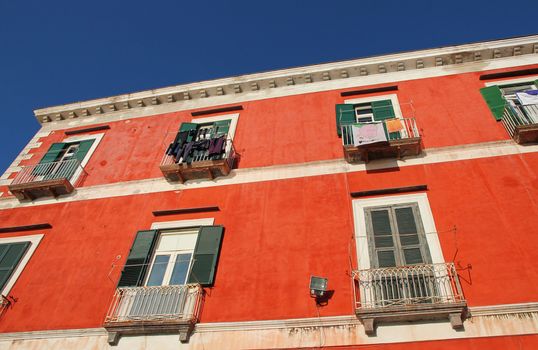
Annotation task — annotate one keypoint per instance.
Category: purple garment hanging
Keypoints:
(216, 145)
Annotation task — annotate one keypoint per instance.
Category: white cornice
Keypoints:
(280, 79)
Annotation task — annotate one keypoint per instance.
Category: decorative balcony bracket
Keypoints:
(115, 331)
(455, 313)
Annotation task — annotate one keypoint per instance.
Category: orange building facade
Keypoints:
(386, 202)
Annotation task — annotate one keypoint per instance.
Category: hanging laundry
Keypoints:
(394, 125)
(529, 97)
(216, 145)
(368, 133)
(186, 151)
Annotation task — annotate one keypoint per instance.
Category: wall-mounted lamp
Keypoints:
(318, 286)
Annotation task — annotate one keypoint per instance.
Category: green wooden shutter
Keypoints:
(10, 255)
(206, 255)
(345, 114)
(188, 127)
(139, 257)
(381, 242)
(52, 154)
(221, 127)
(383, 110)
(495, 100)
(83, 149)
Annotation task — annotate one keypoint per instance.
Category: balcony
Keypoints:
(521, 122)
(403, 142)
(409, 293)
(47, 179)
(157, 309)
(199, 165)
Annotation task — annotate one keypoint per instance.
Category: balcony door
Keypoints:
(399, 253)
(172, 259)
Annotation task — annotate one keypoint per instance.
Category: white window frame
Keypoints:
(79, 138)
(165, 225)
(512, 81)
(34, 242)
(361, 239)
(173, 254)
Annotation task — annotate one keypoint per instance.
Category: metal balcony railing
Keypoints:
(517, 116)
(179, 303)
(408, 130)
(70, 170)
(407, 285)
(203, 155)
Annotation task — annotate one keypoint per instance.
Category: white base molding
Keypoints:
(484, 321)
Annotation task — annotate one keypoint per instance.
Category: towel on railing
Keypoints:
(394, 125)
(529, 97)
(364, 134)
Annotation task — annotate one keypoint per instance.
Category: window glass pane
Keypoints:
(181, 268)
(386, 258)
(183, 240)
(383, 241)
(409, 240)
(405, 220)
(157, 270)
(413, 256)
(381, 222)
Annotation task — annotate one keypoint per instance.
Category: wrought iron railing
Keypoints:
(181, 302)
(407, 129)
(70, 169)
(228, 154)
(515, 116)
(407, 285)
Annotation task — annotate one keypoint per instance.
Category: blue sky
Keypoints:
(55, 52)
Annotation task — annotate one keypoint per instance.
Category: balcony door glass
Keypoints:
(172, 259)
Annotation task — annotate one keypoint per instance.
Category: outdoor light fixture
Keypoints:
(318, 286)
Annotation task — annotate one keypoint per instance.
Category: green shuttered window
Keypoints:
(345, 113)
(495, 100)
(10, 256)
(396, 236)
(204, 264)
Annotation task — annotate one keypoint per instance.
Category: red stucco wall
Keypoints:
(277, 234)
(449, 111)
